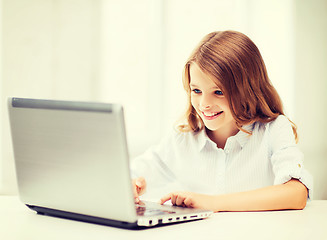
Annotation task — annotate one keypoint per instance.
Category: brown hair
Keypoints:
(235, 64)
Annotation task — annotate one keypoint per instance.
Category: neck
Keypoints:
(220, 136)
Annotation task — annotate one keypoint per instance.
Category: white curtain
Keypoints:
(131, 52)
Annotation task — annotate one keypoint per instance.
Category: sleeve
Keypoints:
(286, 157)
(154, 164)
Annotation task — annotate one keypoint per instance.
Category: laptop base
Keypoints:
(96, 220)
(84, 218)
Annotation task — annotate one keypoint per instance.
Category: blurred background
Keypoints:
(133, 51)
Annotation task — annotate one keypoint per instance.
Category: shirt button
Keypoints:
(227, 151)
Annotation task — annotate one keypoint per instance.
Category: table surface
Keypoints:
(20, 223)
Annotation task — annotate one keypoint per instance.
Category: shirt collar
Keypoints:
(203, 139)
(241, 137)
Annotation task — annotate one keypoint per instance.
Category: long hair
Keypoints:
(235, 64)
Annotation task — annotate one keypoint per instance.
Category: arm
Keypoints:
(290, 195)
(151, 169)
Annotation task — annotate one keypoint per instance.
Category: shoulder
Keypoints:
(281, 128)
(281, 123)
(189, 137)
(173, 140)
(280, 133)
(175, 143)
(193, 141)
(275, 133)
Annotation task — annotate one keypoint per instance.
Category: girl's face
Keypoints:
(210, 103)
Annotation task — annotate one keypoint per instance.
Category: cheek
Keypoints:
(193, 102)
(228, 111)
(224, 104)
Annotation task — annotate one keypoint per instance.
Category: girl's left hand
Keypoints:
(189, 199)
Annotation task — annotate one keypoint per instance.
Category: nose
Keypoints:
(205, 102)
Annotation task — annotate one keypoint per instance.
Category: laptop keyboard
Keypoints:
(142, 210)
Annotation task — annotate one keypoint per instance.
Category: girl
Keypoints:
(237, 150)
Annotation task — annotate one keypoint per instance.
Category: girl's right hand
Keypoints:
(139, 187)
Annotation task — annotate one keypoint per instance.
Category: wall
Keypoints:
(1, 81)
(49, 51)
(311, 86)
(133, 52)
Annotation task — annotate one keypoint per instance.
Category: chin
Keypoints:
(211, 128)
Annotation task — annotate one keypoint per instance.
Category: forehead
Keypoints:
(199, 78)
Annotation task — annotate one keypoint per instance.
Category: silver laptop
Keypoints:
(72, 161)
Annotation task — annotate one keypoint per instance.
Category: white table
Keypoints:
(17, 222)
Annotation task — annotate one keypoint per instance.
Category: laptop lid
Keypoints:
(72, 156)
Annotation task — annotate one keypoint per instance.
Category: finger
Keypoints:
(165, 199)
(135, 192)
(136, 197)
(173, 198)
(140, 181)
(140, 185)
(180, 200)
(189, 202)
(134, 188)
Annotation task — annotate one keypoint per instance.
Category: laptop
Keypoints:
(71, 161)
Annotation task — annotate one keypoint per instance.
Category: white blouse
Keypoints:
(192, 162)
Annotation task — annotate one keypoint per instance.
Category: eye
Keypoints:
(218, 92)
(196, 91)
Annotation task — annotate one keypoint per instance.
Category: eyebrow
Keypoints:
(196, 86)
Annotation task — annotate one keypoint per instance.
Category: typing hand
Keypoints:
(139, 187)
(188, 199)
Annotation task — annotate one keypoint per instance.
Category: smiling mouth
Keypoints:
(210, 116)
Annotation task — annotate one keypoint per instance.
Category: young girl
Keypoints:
(237, 150)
